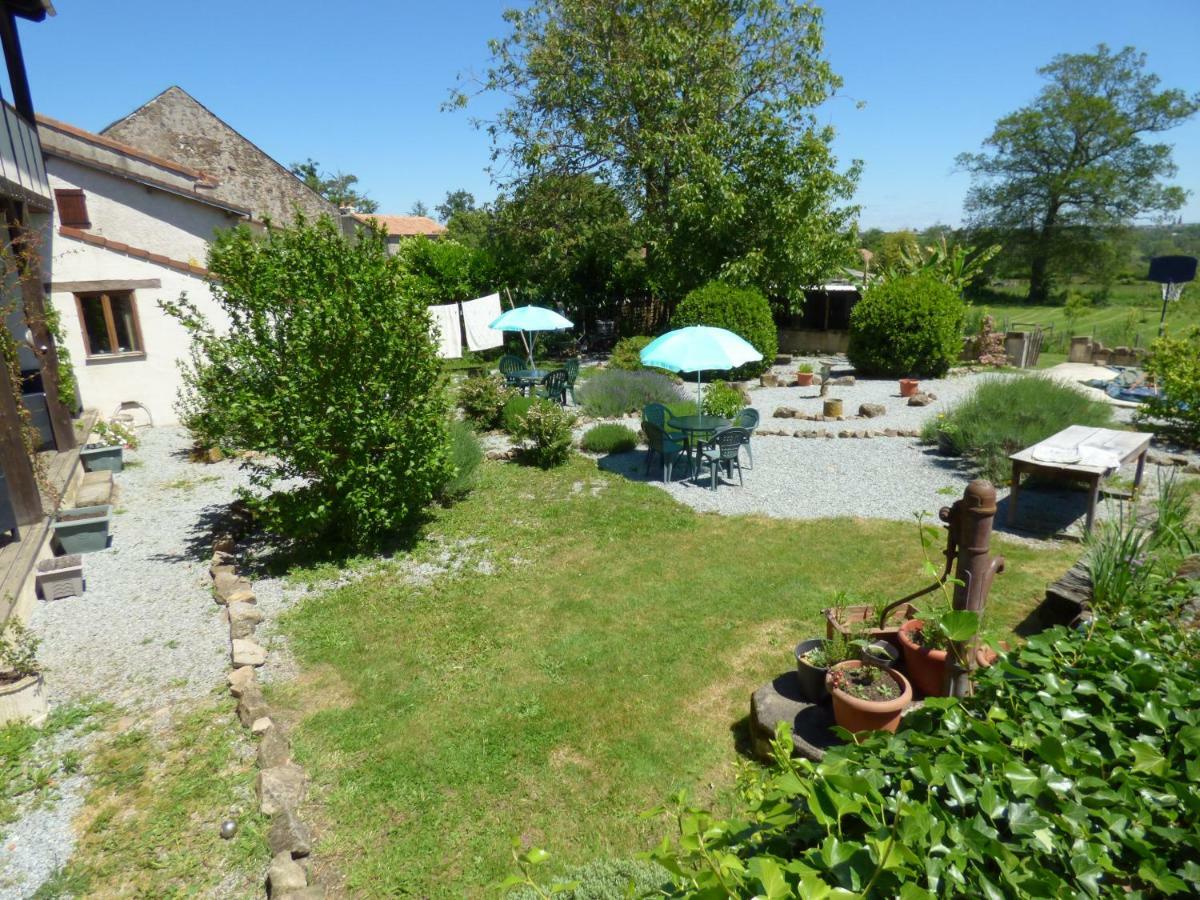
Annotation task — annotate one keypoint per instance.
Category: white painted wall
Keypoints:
(152, 220)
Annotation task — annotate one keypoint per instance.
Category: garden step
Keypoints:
(95, 489)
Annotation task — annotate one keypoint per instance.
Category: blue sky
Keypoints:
(358, 85)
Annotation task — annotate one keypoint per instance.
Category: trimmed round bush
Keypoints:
(625, 354)
(722, 399)
(609, 438)
(482, 399)
(465, 456)
(907, 326)
(744, 311)
(615, 392)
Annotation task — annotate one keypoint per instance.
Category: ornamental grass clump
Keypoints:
(328, 372)
(1004, 415)
(465, 457)
(609, 438)
(614, 392)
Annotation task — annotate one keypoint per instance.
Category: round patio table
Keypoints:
(527, 378)
(695, 427)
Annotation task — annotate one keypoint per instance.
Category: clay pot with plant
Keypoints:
(22, 689)
(927, 642)
(867, 698)
(804, 375)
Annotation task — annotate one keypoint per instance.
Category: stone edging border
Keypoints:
(281, 784)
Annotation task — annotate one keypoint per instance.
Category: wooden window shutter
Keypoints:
(72, 208)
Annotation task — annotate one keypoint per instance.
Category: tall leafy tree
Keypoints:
(456, 202)
(699, 114)
(1078, 159)
(337, 187)
(418, 209)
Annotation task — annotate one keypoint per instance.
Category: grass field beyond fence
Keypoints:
(593, 647)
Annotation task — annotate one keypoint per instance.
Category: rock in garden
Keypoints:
(279, 788)
(844, 381)
(248, 653)
(243, 619)
(243, 595)
(239, 679)
(285, 875)
(785, 412)
(920, 399)
(289, 835)
(274, 749)
(221, 558)
(261, 725)
(890, 432)
(312, 892)
(252, 705)
(844, 434)
(223, 544)
(769, 379)
(226, 584)
(871, 410)
(213, 455)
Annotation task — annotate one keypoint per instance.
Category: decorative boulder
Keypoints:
(871, 410)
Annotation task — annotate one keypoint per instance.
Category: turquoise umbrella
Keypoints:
(532, 319)
(699, 349)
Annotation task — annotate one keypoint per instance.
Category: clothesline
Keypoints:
(451, 320)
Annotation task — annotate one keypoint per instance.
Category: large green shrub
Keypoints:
(609, 438)
(625, 354)
(514, 409)
(907, 326)
(546, 428)
(744, 311)
(615, 392)
(327, 370)
(465, 457)
(482, 399)
(1002, 415)
(1174, 364)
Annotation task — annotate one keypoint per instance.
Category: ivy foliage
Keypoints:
(328, 371)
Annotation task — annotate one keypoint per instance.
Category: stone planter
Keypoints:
(83, 530)
(60, 577)
(23, 700)
(101, 456)
(832, 408)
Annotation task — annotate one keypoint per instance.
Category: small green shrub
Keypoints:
(1004, 415)
(546, 426)
(609, 438)
(514, 409)
(1174, 364)
(744, 311)
(625, 353)
(465, 456)
(722, 399)
(18, 649)
(483, 398)
(615, 392)
(910, 325)
(804, 368)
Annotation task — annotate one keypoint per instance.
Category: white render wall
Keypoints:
(148, 219)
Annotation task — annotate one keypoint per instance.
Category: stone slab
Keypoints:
(780, 700)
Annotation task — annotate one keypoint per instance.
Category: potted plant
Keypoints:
(22, 689)
(107, 450)
(82, 530)
(60, 576)
(814, 657)
(876, 621)
(881, 653)
(908, 386)
(804, 375)
(926, 642)
(867, 698)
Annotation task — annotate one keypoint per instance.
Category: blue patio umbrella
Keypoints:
(532, 319)
(699, 349)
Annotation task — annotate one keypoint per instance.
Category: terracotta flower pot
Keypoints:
(908, 386)
(804, 379)
(858, 715)
(926, 668)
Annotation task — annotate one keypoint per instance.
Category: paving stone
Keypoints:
(248, 653)
(289, 835)
(279, 788)
(239, 678)
(285, 875)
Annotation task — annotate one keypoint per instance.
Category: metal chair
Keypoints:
(668, 448)
(509, 364)
(748, 418)
(571, 367)
(554, 387)
(724, 449)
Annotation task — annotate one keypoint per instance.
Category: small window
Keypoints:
(72, 208)
(110, 324)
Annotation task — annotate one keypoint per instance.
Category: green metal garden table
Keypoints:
(695, 428)
(527, 378)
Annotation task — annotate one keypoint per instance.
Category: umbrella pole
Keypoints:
(532, 348)
(699, 383)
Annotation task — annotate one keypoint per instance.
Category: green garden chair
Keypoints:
(723, 451)
(660, 415)
(554, 387)
(509, 364)
(748, 418)
(571, 367)
(668, 448)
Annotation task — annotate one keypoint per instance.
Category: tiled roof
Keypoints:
(404, 226)
(137, 252)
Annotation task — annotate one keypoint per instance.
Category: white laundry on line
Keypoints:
(477, 314)
(445, 330)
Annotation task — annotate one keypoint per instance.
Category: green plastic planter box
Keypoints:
(101, 456)
(82, 530)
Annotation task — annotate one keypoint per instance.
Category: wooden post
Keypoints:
(22, 245)
(15, 61)
(14, 459)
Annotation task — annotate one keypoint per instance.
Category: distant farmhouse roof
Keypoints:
(404, 226)
(175, 126)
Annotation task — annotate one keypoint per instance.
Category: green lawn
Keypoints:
(1129, 318)
(593, 648)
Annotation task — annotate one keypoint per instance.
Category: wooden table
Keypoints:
(1078, 453)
